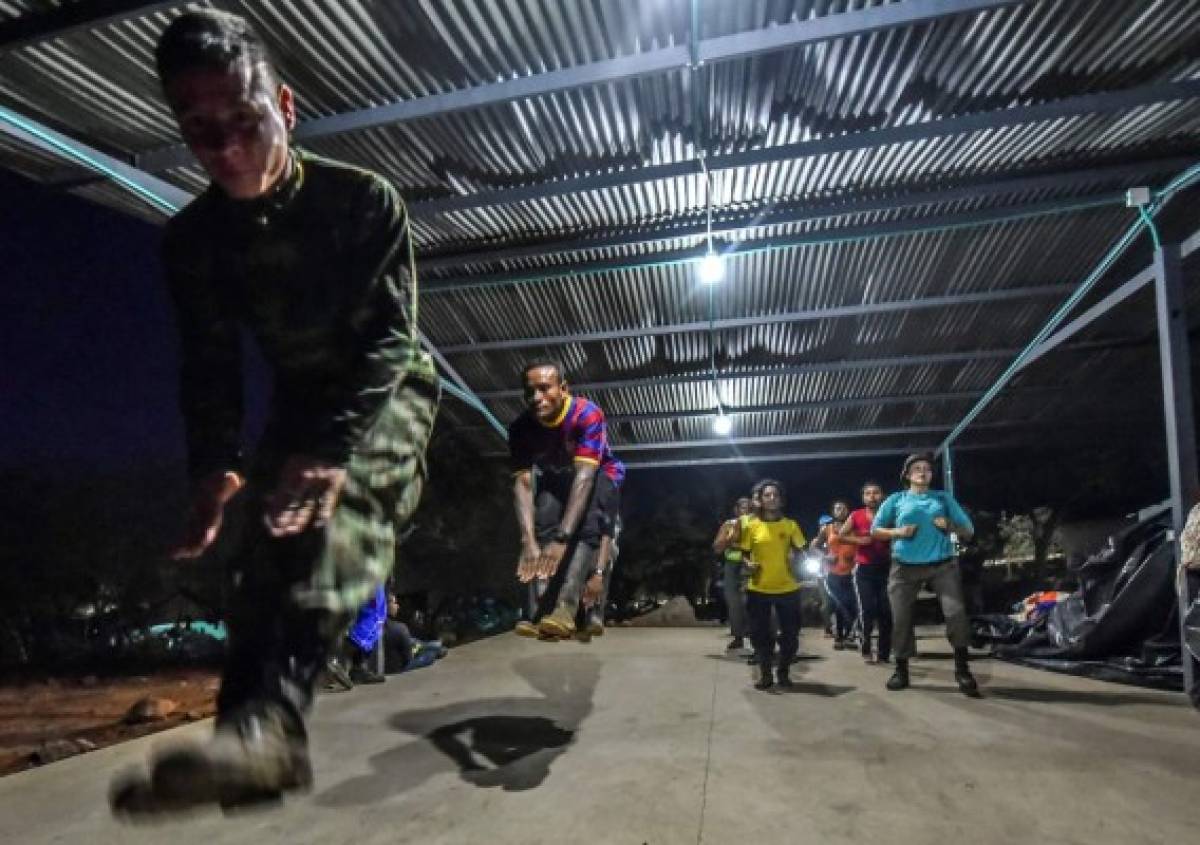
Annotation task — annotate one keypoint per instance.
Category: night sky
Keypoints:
(90, 360)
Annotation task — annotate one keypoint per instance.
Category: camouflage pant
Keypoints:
(291, 598)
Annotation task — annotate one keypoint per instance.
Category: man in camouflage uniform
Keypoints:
(314, 259)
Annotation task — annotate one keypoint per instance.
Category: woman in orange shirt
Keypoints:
(840, 579)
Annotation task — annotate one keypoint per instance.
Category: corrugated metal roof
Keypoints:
(98, 85)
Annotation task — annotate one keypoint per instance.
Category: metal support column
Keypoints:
(948, 471)
(1177, 411)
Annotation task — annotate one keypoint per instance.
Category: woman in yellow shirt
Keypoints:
(770, 541)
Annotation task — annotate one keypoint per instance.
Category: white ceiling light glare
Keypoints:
(712, 268)
(722, 425)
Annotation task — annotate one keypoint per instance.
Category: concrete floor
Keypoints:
(653, 736)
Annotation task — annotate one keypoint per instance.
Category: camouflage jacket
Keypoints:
(316, 272)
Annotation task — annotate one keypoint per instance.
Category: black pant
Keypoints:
(275, 650)
(787, 611)
(870, 582)
(845, 605)
(601, 519)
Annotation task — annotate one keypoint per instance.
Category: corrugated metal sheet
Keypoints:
(344, 55)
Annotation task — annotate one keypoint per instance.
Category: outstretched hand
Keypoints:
(305, 496)
(206, 515)
(550, 559)
(527, 563)
(592, 590)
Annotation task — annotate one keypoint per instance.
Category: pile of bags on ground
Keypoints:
(1121, 624)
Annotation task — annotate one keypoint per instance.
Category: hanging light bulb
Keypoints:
(722, 425)
(712, 268)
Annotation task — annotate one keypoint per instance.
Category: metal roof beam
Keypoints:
(1002, 214)
(718, 49)
(69, 18)
(706, 375)
(162, 196)
(800, 437)
(787, 456)
(821, 405)
(807, 315)
(889, 15)
(1068, 107)
(730, 223)
(1141, 280)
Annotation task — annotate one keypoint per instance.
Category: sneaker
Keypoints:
(336, 676)
(736, 644)
(869, 658)
(559, 625)
(525, 628)
(763, 679)
(253, 760)
(595, 627)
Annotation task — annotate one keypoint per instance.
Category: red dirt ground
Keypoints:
(36, 712)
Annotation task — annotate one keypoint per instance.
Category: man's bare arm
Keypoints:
(846, 533)
(577, 500)
(726, 536)
(523, 505)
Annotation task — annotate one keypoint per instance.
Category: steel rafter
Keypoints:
(1068, 107)
(807, 315)
(661, 60)
(706, 375)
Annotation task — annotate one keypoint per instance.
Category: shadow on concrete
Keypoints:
(507, 742)
(745, 658)
(809, 688)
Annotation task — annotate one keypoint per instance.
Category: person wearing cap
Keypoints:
(919, 523)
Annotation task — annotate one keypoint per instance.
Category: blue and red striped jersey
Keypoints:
(579, 434)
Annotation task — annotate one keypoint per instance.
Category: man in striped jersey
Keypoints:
(564, 440)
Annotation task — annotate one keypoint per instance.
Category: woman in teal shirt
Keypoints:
(919, 522)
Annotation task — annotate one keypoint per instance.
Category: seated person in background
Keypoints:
(403, 651)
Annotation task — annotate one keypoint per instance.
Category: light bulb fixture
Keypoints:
(712, 268)
(722, 425)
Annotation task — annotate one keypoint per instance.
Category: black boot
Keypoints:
(962, 673)
(899, 679)
(765, 681)
(784, 678)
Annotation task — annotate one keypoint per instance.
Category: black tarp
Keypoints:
(1121, 624)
